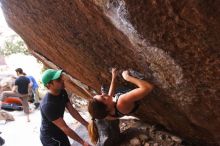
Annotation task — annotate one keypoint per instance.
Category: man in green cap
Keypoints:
(54, 130)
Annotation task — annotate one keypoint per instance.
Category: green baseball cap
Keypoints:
(49, 75)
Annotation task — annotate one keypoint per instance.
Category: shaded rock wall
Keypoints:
(174, 43)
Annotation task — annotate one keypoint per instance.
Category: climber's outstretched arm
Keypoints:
(111, 91)
(143, 89)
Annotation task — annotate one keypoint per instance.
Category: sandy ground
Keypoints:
(23, 133)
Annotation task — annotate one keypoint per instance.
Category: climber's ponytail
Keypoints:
(97, 110)
(93, 132)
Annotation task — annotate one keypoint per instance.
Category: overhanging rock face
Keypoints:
(174, 43)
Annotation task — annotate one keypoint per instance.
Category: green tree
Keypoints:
(14, 45)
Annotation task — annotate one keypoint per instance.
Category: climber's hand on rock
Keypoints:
(125, 74)
(114, 72)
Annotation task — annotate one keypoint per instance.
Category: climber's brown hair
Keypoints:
(97, 110)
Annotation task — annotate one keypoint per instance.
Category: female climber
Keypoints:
(105, 107)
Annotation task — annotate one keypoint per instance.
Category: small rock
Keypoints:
(123, 124)
(143, 137)
(159, 137)
(135, 142)
(152, 128)
(163, 137)
(146, 144)
(176, 139)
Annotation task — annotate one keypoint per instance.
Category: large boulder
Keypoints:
(174, 43)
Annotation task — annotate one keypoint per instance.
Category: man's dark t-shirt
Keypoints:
(52, 107)
(22, 82)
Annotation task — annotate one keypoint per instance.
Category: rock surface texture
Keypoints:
(175, 44)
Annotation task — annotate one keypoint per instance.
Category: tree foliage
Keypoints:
(14, 45)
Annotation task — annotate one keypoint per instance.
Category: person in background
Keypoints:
(54, 130)
(20, 89)
(34, 88)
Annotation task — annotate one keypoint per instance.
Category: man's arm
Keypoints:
(68, 131)
(75, 114)
(111, 91)
(30, 88)
(30, 84)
